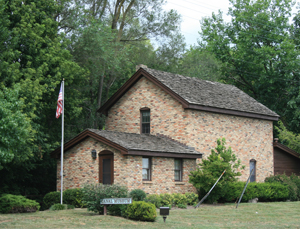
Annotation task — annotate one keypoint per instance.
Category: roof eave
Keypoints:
(286, 149)
(83, 135)
(148, 153)
(232, 112)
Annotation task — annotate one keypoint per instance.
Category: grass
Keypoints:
(260, 215)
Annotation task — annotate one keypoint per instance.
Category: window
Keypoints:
(178, 169)
(146, 168)
(145, 121)
(253, 167)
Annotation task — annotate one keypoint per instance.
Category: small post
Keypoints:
(244, 188)
(105, 210)
(209, 191)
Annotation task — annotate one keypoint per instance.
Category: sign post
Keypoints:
(109, 201)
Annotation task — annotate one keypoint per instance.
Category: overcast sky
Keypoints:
(192, 12)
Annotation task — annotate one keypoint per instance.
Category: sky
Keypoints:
(192, 11)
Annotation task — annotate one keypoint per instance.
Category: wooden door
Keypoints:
(106, 169)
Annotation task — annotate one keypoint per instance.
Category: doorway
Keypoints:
(106, 167)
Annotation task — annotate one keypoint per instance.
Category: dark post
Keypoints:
(209, 190)
(244, 188)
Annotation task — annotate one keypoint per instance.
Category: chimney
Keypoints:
(140, 66)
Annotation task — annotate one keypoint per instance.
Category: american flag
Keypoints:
(59, 103)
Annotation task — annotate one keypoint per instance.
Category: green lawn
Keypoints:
(260, 215)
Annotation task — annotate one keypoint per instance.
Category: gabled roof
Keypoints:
(134, 144)
(194, 93)
(286, 149)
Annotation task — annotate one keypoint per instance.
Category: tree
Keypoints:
(211, 168)
(33, 60)
(198, 62)
(16, 133)
(288, 138)
(259, 54)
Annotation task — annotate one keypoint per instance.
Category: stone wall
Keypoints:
(249, 138)
(80, 168)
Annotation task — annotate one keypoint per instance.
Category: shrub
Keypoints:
(210, 170)
(296, 179)
(137, 195)
(140, 210)
(285, 180)
(262, 191)
(166, 199)
(93, 193)
(192, 198)
(154, 199)
(179, 198)
(181, 206)
(73, 197)
(17, 204)
(56, 207)
(50, 199)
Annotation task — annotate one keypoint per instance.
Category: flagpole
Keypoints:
(62, 143)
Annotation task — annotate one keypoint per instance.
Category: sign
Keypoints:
(116, 201)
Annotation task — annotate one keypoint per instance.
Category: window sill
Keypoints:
(147, 182)
(179, 183)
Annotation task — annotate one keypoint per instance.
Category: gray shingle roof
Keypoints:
(210, 94)
(145, 142)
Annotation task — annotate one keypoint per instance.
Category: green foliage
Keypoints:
(198, 62)
(167, 199)
(211, 169)
(265, 192)
(154, 199)
(51, 198)
(73, 197)
(179, 198)
(140, 210)
(296, 179)
(287, 181)
(17, 204)
(259, 52)
(181, 206)
(57, 207)
(288, 138)
(192, 198)
(14, 123)
(93, 193)
(137, 195)
(33, 60)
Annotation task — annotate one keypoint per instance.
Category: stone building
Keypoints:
(158, 127)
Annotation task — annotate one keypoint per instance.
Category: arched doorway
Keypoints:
(106, 167)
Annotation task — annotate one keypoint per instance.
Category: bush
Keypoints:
(166, 199)
(140, 210)
(17, 204)
(296, 179)
(137, 195)
(179, 198)
(154, 199)
(181, 206)
(192, 198)
(210, 170)
(263, 191)
(93, 193)
(50, 199)
(285, 180)
(56, 207)
(73, 197)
